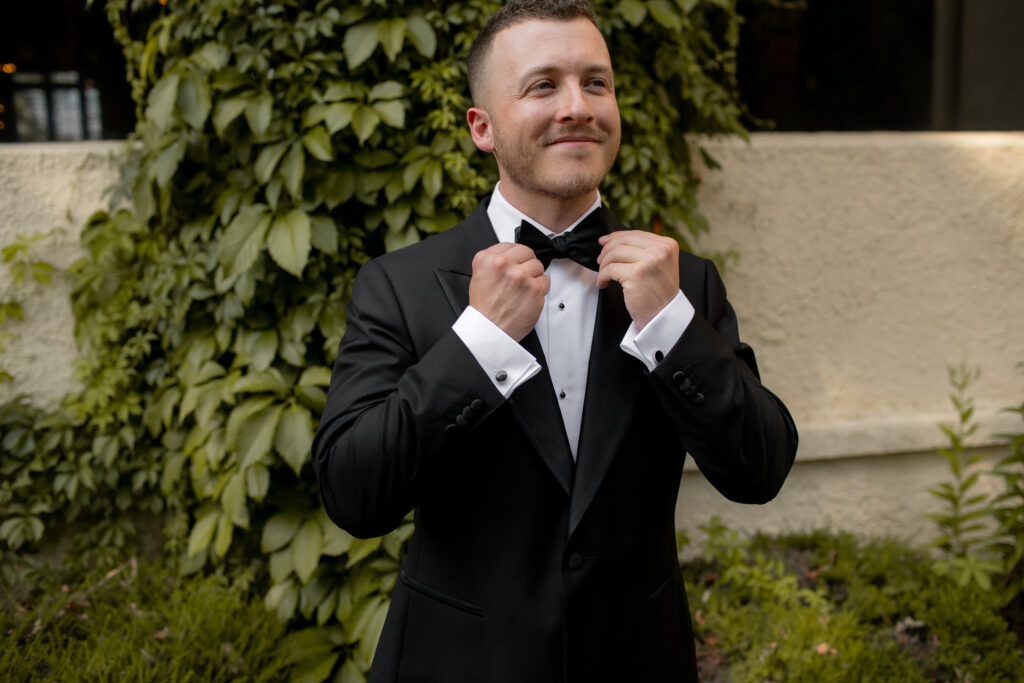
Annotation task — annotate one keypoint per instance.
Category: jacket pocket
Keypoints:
(426, 591)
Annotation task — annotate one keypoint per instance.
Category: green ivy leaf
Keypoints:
(257, 434)
(392, 35)
(267, 160)
(318, 143)
(324, 234)
(258, 112)
(432, 178)
(359, 43)
(194, 99)
(388, 90)
(666, 15)
(295, 437)
(202, 532)
(293, 168)
(279, 530)
(167, 161)
(421, 35)
(243, 239)
(338, 116)
(364, 121)
(391, 112)
(289, 241)
(306, 549)
(161, 102)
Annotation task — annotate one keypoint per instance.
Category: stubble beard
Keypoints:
(519, 167)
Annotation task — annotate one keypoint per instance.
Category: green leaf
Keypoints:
(295, 437)
(432, 178)
(267, 380)
(194, 99)
(665, 14)
(397, 216)
(232, 498)
(359, 43)
(306, 549)
(283, 599)
(257, 434)
(202, 532)
(388, 90)
(222, 539)
(392, 35)
(364, 121)
(243, 239)
(212, 56)
(289, 241)
(258, 112)
(391, 112)
(257, 481)
(293, 168)
(279, 530)
(316, 376)
(267, 160)
(421, 35)
(360, 549)
(338, 116)
(336, 541)
(318, 143)
(633, 11)
(167, 161)
(324, 234)
(161, 101)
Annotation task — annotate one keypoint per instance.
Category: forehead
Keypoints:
(575, 44)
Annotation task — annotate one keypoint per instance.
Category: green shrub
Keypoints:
(833, 607)
(138, 622)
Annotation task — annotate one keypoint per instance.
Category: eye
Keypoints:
(598, 83)
(544, 85)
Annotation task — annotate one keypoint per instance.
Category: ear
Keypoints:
(480, 128)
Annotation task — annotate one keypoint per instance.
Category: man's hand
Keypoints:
(508, 287)
(647, 267)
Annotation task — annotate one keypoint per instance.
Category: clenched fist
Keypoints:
(508, 287)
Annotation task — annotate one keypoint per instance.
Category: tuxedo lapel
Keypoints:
(613, 378)
(533, 403)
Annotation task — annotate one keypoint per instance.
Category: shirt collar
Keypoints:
(505, 218)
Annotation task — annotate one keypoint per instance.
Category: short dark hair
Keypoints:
(514, 12)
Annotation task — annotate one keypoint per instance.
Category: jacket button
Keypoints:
(461, 421)
(678, 376)
(477, 406)
(698, 398)
(575, 561)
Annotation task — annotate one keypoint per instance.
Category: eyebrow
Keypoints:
(603, 69)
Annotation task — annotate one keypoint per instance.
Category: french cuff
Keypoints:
(506, 362)
(650, 344)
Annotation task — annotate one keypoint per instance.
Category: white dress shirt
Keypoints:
(565, 327)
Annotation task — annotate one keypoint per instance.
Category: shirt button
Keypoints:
(561, 394)
(501, 376)
(561, 305)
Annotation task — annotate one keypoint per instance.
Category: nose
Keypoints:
(575, 105)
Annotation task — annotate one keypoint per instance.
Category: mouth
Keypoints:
(578, 138)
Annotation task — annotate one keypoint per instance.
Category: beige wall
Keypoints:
(868, 263)
(46, 187)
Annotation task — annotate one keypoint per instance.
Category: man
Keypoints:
(536, 412)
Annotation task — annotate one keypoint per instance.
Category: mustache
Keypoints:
(587, 132)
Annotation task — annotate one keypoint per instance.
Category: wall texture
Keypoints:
(44, 188)
(868, 263)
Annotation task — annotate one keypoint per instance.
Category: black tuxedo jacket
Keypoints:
(525, 567)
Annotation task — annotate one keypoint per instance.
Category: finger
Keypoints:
(623, 253)
(637, 238)
(532, 268)
(609, 272)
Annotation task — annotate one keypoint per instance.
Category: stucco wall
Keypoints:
(868, 263)
(46, 187)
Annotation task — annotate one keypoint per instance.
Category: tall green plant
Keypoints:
(279, 147)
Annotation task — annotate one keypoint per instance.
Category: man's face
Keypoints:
(548, 109)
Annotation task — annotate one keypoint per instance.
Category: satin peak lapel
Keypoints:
(613, 378)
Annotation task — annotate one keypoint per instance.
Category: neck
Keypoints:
(554, 213)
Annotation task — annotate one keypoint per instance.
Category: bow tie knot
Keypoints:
(580, 244)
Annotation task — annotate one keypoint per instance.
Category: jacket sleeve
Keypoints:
(392, 412)
(740, 434)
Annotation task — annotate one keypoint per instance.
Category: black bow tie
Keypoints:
(579, 244)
